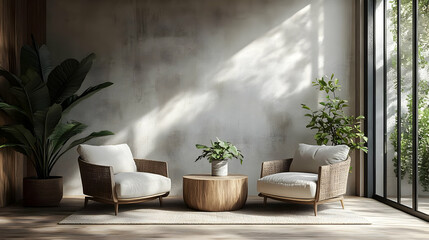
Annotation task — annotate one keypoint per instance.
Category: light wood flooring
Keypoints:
(17, 222)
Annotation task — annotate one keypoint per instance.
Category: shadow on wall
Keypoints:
(188, 71)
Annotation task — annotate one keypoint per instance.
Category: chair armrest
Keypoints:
(151, 166)
(332, 180)
(275, 166)
(97, 180)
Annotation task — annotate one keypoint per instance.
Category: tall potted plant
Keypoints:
(218, 155)
(36, 102)
(331, 122)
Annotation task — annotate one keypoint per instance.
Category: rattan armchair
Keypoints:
(99, 185)
(331, 183)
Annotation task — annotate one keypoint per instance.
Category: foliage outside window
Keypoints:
(406, 117)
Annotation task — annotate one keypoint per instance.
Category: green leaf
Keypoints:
(74, 99)
(77, 142)
(222, 143)
(305, 107)
(234, 150)
(17, 147)
(38, 60)
(16, 113)
(46, 121)
(29, 59)
(16, 91)
(89, 137)
(18, 134)
(13, 80)
(200, 146)
(63, 132)
(199, 157)
(35, 91)
(66, 79)
(45, 62)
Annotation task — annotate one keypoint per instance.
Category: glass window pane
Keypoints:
(423, 107)
(391, 100)
(406, 53)
(379, 84)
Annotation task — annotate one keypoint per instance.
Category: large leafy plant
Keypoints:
(331, 122)
(219, 151)
(36, 101)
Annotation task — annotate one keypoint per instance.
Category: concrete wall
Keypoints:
(185, 72)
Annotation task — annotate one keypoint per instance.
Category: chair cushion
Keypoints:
(289, 184)
(140, 184)
(308, 158)
(117, 156)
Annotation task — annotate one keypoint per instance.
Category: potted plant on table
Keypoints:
(218, 155)
(35, 103)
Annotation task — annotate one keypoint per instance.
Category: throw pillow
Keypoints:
(308, 158)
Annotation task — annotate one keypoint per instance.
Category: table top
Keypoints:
(210, 177)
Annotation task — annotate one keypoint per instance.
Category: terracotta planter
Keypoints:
(42, 192)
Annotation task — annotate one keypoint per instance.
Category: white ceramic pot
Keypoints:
(220, 168)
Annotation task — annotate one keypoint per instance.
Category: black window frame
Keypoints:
(370, 79)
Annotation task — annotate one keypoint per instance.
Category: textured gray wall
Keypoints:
(185, 72)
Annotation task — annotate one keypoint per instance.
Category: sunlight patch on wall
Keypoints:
(183, 108)
(270, 62)
(319, 27)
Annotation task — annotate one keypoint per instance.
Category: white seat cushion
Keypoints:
(117, 156)
(140, 184)
(308, 158)
(289, 184)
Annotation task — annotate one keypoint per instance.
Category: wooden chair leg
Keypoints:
(86, 202)
(160, 201)
(342, 203)
(116, 209)
(315, 209)
(265, 201)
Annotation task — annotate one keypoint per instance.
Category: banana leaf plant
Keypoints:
(35, 102)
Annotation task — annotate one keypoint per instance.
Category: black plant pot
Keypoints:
(42, 192)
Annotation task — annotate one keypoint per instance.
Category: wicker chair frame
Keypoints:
(331, 184)
(99, 185)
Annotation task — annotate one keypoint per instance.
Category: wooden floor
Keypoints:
(17, 222)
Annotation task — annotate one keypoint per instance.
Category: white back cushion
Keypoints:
(308, 158)
(117, 156)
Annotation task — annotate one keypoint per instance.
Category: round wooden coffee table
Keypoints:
(214, 194)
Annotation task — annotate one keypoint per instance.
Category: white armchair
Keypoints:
(316, 174)
(110, 175)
